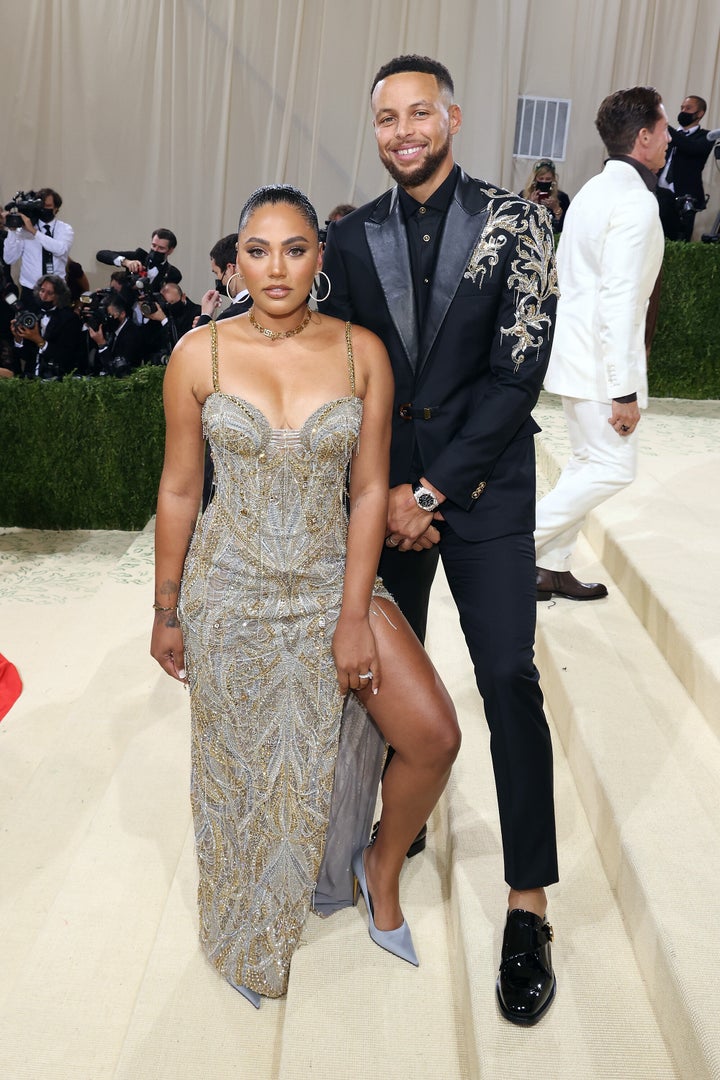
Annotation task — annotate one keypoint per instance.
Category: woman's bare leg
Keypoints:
(415, 714)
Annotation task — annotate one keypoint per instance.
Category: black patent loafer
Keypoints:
(415, 848)
(526, 982)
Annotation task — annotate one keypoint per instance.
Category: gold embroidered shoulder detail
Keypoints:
(532, 275)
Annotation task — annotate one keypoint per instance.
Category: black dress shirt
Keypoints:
(423, 225)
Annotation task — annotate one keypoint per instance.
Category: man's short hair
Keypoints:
(624, 114)
(702, 103)
(225, 251)
(45, 191)
(176, 288)
(166, 234)
(62, 293)
(425, 64)
(341, 210)
(120, 302)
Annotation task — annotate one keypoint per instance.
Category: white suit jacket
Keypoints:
(608, 260)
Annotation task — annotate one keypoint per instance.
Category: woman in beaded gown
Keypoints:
(270, 610)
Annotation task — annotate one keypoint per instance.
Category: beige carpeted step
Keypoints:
(101, 972)
(601, 1024)
(633, 682)
(659, 538)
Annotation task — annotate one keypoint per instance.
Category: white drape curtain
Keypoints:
(147, 113)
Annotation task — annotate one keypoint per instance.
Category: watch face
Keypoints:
(425, 499)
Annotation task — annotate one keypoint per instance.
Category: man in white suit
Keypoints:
(609, 258)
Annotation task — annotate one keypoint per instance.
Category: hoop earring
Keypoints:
(313, 293)
(227, 287)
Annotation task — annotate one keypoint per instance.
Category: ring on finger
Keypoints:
(624, 427)
(365, 674)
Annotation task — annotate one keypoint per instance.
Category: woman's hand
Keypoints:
(355, 654)
(166, 645)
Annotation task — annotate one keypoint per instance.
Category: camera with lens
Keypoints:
(148, 299)
(92, 309)
(28, 203)
(26, 320)
(685, 204)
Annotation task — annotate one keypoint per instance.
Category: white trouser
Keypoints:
(601, 463)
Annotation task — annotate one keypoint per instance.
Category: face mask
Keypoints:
(176, 309)
(155, 258)
(219, 287)
(112, 322)
(46, 215)
(46, 305)
(543, 185)
(685, 119)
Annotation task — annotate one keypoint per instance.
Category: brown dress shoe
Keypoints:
(562, 583)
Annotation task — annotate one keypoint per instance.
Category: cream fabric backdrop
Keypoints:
(169, 112)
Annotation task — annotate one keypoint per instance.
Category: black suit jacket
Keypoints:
(64, 353)
(166, 272)
(238, 307)
(125, 350)
(478, 363)
(691, 153)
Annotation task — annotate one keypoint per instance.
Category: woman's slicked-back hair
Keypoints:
(274, 195)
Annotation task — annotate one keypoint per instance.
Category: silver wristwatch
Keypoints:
(424, 498)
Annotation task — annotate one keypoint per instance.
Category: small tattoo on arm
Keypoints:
(168, 588)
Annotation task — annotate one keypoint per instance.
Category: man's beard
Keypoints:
(424, 172)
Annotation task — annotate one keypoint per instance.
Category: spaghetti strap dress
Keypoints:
(285, 771)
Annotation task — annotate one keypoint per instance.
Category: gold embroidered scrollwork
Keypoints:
(533, 276)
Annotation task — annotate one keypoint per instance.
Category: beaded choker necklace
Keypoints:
(275, 335)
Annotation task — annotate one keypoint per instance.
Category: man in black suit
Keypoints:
(52, 346)
(680, 188)
(120, 342)
(457, 278)
(162, 244)
(176, 314)
(228, 281)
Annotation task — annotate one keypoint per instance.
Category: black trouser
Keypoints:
(493, 585)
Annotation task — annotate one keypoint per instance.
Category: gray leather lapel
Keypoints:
(460, 235)
(389, 250)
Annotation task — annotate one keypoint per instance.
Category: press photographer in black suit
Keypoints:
(120, 341)
(680, 188)
(155, 261)
(175, 313)
(51, 346)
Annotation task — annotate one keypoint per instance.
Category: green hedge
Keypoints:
(685, 355)
(87, 453)
(81, 453)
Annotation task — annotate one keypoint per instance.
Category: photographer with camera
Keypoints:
(680, 189)
(48, 339)
(152, 264)
(173, 312)
(542, 187)
(37, 237)
(119, 341)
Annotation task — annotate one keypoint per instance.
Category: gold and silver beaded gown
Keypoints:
(284, 770)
